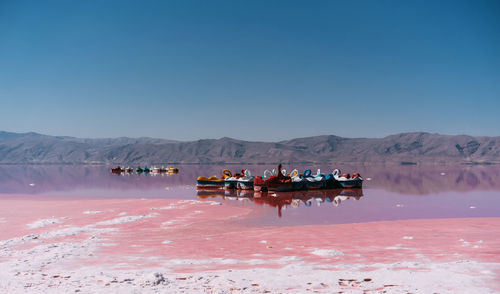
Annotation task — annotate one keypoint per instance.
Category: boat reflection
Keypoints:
(282, 200)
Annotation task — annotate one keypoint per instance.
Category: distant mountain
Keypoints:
(405, 148)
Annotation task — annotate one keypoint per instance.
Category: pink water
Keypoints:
(392, 192)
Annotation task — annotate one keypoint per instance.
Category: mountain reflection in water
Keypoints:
(415, 180)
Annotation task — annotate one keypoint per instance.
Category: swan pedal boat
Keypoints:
(246, 182)
(231, 181)
(243, 181)
(313, 182)
(117, 170)
(213, 181)
(347, 181)
(162, 170)
(274, 181)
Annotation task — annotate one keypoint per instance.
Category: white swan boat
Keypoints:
(246, 182)
(348, 181)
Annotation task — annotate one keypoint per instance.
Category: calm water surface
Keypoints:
(390, 192)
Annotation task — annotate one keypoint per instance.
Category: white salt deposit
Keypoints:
(327, 252)
(397, 247)
(92, 212)
(474, 245)
(443, 278)
(73, 231)
(109, 244)
(168, 223)
(408, 237)
(189, 201)
(44, 222)
(125, 219)
(43, 269)
(169, 207)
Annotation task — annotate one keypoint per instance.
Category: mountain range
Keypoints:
(404, 148)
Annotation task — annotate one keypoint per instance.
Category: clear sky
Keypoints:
(255, 70)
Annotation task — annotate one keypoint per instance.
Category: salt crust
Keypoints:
(327, 252)
(92, 212)
(42, 269)
(125, 219)
(32, 271)
(44, 222)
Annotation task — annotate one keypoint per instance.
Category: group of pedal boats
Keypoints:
(280, 181)
(145, 169)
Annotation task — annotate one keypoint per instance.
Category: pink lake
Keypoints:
(389, 193)
(411, 229)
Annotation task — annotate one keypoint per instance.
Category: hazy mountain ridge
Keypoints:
(33, 148)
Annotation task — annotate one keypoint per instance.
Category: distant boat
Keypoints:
(117, 170)
(161, 170)
(348, 181)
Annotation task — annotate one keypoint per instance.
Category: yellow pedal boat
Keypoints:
(213, 182)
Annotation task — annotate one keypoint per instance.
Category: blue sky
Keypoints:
(255, 70)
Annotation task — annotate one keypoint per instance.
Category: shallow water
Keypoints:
(392, 192)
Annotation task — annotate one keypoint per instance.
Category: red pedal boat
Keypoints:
(273, 182)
